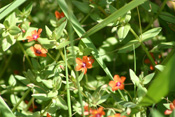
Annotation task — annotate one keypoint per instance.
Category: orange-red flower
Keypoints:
(35, 35)
(118, 83)
(38, 50)
(84, 64)
(172, 107)
(59, 15)
(117, 115)
(98, 113)
(147, 61)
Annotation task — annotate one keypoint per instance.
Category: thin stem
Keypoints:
(84, 19)
(143, 47)
(24, 96)
(46, 109)
(121, 95)
(25, 53)
(30, 102)
(134, 58)
(79, 93)
(67, 85)
(62, 55)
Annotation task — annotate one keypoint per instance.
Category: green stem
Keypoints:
(79, 93)
(25, 94)
(29, 104)
(135, 67)
(67, 85)
(5, 67)
(25, 53)
(169, 56)
(143, 47)
(121, 95)
(62, 55)
(46, 109)
(84, 19)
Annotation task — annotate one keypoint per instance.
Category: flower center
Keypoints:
(38, 51)
(118, 84)
(98, 115)
(35, 36)
(83, 64)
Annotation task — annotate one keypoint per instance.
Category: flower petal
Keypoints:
(168, 112)
(39, 31)
(112, 83)
(79, 61)
(116, 78)
(122, 79)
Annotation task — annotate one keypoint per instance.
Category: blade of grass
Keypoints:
(9, 8)
(67, 85)
(80, 31)
(162, 84)
(4, 109)
(113, 17)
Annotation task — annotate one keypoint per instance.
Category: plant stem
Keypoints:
(143, 47)
(67, 86)
(79, 93)
(62, 55)
(25, 53)
(25, 94)
(121, 95)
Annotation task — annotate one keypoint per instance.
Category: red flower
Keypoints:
(38, 50)
(117, 115)
(59, 15)
(35, 35)
(172, 107)
(117, 83)
(147, 61)
(98, 113)
(84, 64)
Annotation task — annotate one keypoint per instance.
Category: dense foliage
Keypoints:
(97, 58)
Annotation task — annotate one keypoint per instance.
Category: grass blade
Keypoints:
(10, 7)
(114, 16)
(80, 31)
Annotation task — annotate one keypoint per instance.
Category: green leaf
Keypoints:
(160, 67)
(59, 30)
(164, 82)
(47, 83)
(103, 99)
(7, 42)
(57, 81)
(113, 16)
(47, 43)
(141, 91)
(82, 6)
(61, 103)
(12, 80)
(156, 113)
(35, 64)
(22, 79)
(41, 96)
(48, 32)
(148, 78)
(173, 113)
(4, 109)
(11, 19)
(150, 34)
(134, 78)
(63, 44)
(14, 30)
(10, 7)
(167, 17)
(123, 31)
